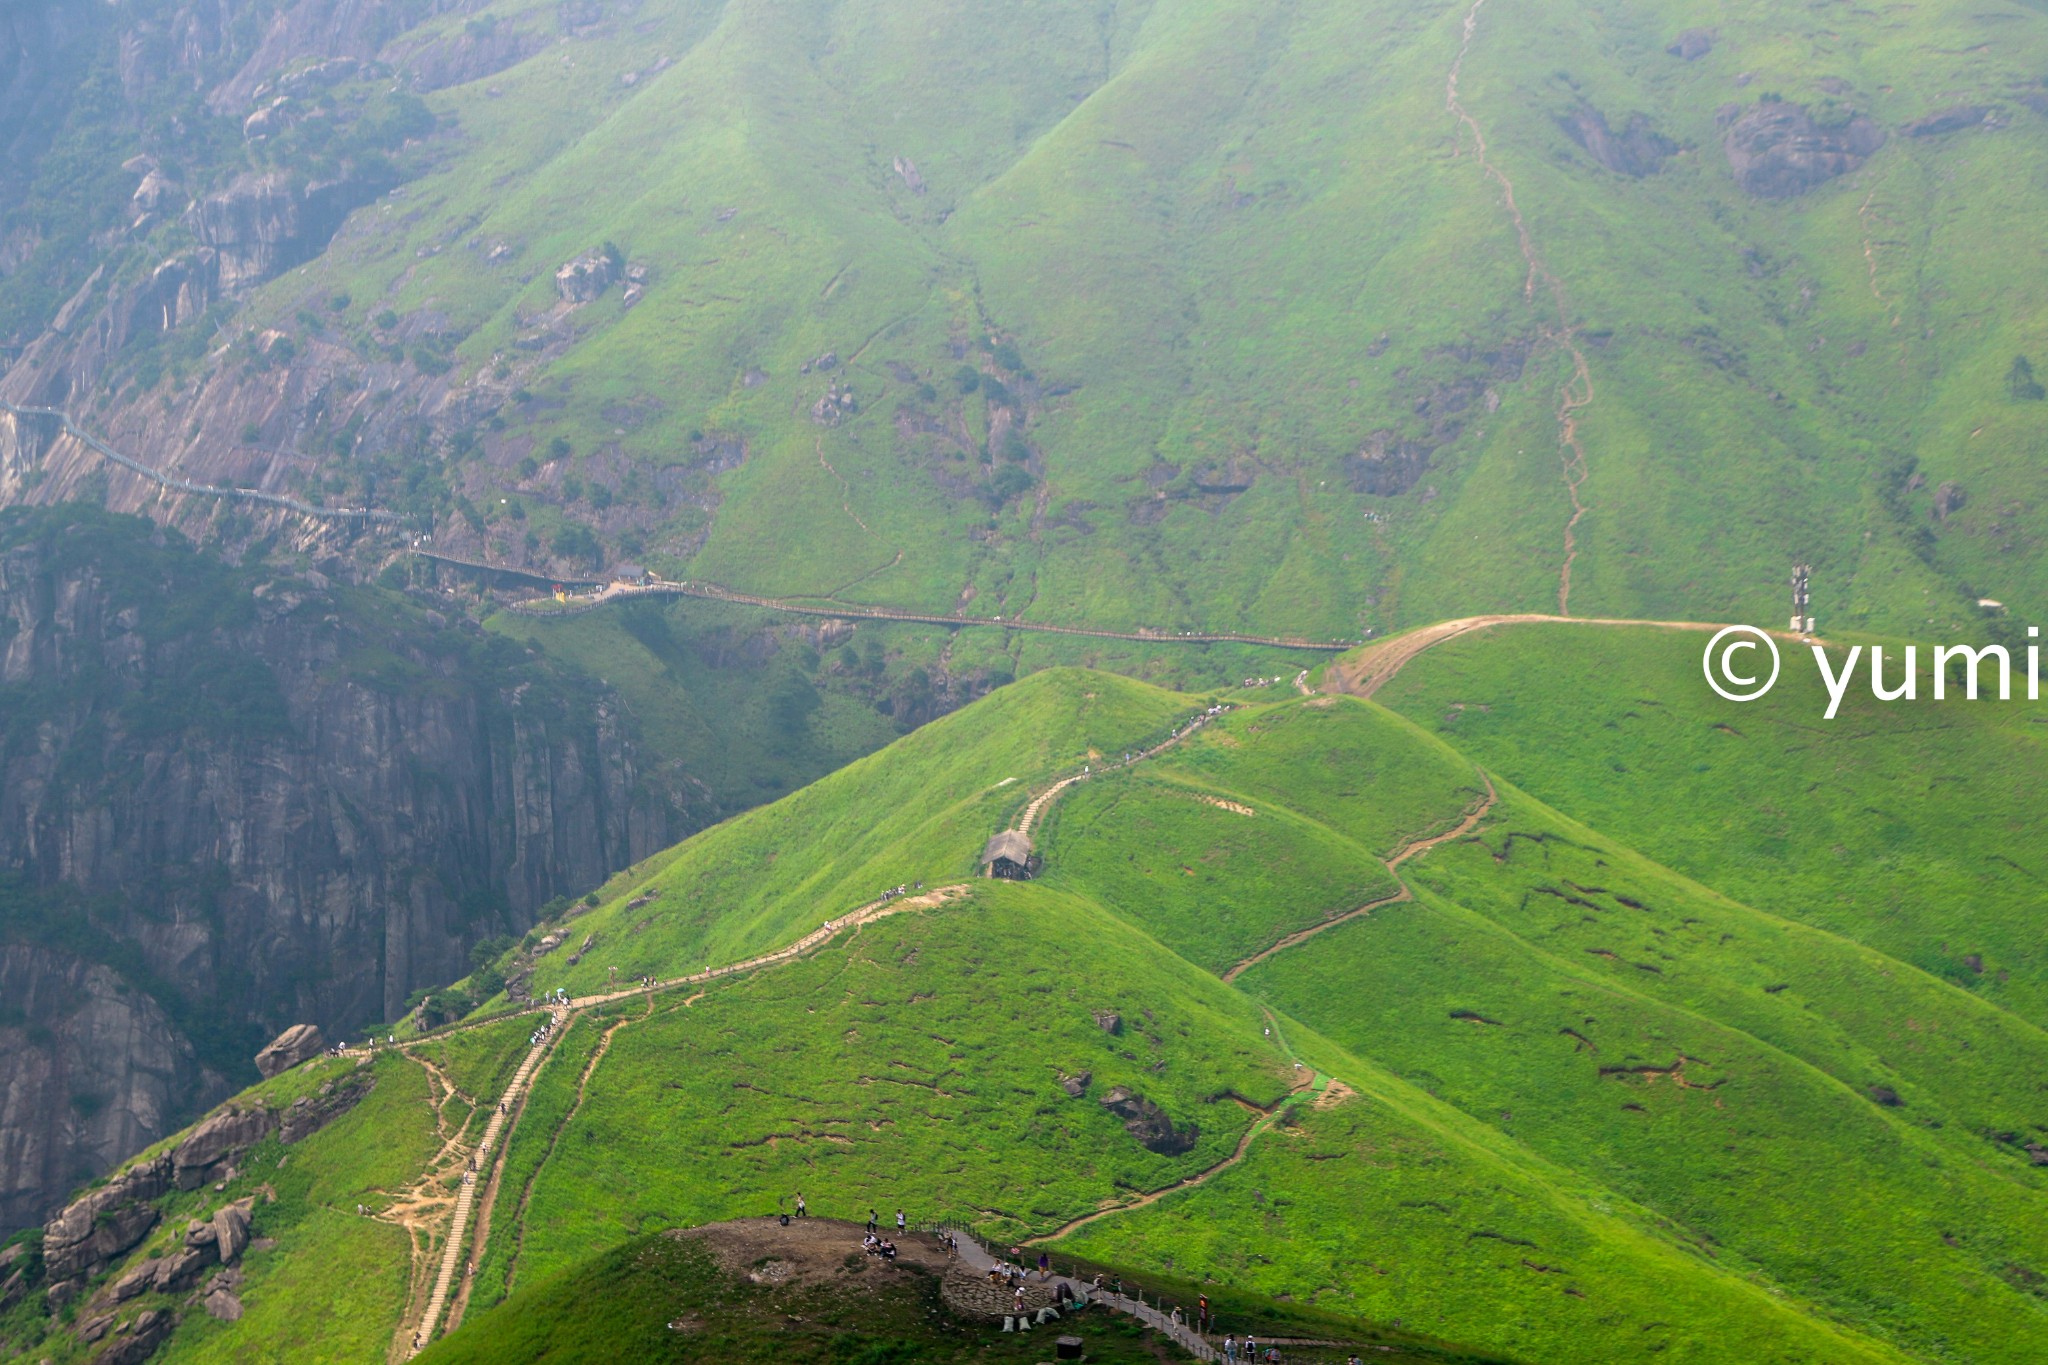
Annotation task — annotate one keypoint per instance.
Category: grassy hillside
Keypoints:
(1908, 826)
(1171, 312)
(1548, 1096)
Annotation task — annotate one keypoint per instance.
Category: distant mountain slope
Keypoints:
(1305, 1001)
(1309, 319)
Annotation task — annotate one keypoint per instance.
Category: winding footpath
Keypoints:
(1577, 391)
(512, 1104)
(1413, 849)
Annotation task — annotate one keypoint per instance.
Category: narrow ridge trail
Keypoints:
(1414, 848)
(1577, 391)
(457, 1309)
(1375, 666)
(495, 1144)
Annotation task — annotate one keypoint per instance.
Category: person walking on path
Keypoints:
(800, 1205)
(899, 1223)
(873, 1222)
(1251, 1347)
(1044, 1266)
(1230, 1349)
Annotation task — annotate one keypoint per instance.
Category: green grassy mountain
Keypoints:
(1386, 1007)
(1174, 312)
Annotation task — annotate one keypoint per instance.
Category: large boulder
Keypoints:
(1692, 44)
(95, 1228)
(213, 1141)
(289, 1048)
(136, 1341)
(231, 1229)
(1148, 1123)
(585, 278)
(1777, 151)
(136, 1280)
(180, 1270)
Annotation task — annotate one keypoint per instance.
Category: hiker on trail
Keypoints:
(1251, 1347)
(800, 1211)
(873, 1222)
(899, 1222)
(1230, 1348)
(1044, 1266)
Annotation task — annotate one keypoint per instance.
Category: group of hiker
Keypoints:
(1014, 1271)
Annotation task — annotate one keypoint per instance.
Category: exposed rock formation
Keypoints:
(585, 278)
(1777, 151)
(262, 225)
(90, 1070)
(96, 1229)
(1148, 1123)
(1692, 44)
(289, 1048)
(260, 829)
(1950, 120)
(470, 53)
(1637, 150)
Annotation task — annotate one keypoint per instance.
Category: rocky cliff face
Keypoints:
(93, 1070)
(267, 801)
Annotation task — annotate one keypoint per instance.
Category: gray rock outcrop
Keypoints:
(1148, 1123)
(1951, 120)
(91, 1070)
(1692, 44)
(289, 1048)
(1777, 151)
(319, 860)
(585, 278)
(262, 225)
(1637, 150)
(134, 1342)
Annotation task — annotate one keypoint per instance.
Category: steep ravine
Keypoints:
(238, 800)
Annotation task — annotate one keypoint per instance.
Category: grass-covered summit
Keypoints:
(1307, 1005)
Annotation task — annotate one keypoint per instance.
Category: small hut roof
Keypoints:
(1013, 844)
